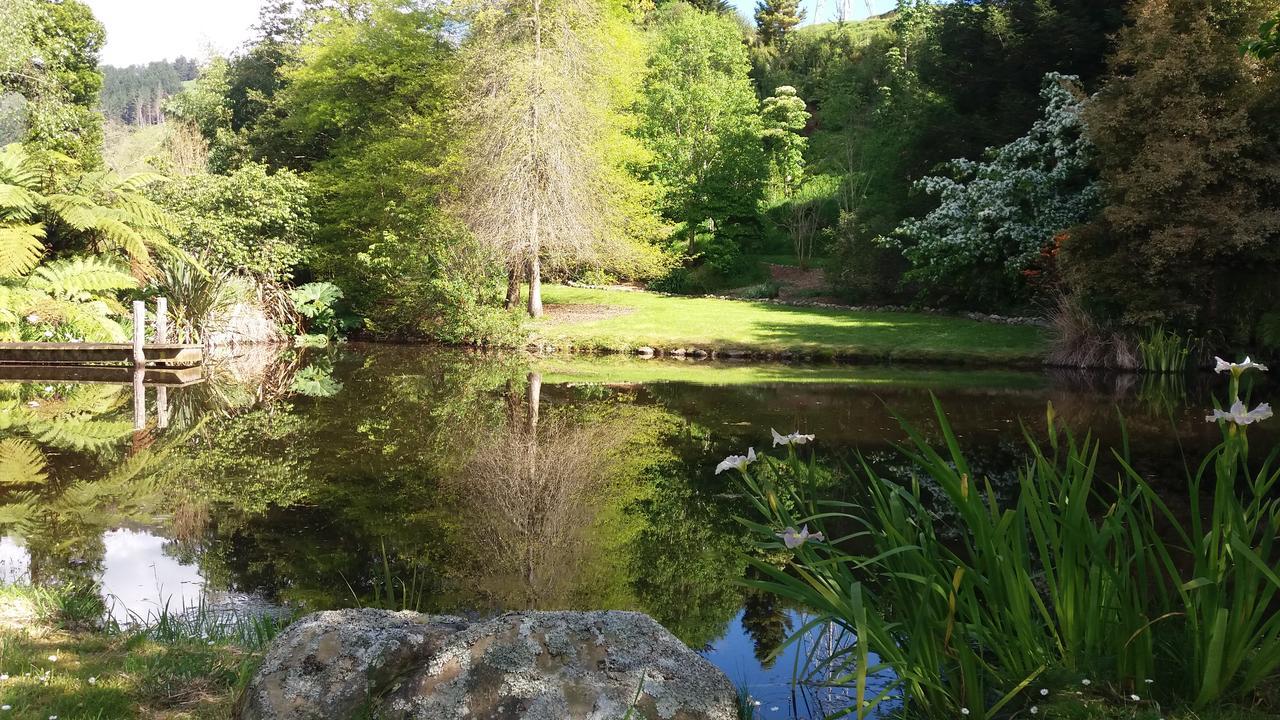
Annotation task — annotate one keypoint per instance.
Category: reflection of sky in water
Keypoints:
(734, 653)
(138, 579)
(14, 561)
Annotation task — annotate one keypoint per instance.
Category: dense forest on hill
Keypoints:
(136, 95)
(1112, 166)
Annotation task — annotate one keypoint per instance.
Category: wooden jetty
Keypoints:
(102, 374)
(138, 353)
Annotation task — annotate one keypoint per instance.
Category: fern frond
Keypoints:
(17, 202)
(79, 433)
(22, 463)
(18, 166)
(20, 249)
(82, 275)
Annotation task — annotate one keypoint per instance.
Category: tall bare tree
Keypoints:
(534, 170)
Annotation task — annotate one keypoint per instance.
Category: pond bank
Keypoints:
(590, 320)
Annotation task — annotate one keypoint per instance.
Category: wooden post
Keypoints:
(162, 320)
(139, 332)
(139, 398)
(162, 407)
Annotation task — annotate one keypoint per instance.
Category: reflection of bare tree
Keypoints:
(532, 493)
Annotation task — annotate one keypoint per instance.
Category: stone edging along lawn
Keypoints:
(598, 320)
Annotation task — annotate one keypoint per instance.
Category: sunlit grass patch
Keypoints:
(169, 668)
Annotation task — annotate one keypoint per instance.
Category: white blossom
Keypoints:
(794, 539)
(1237, 369)
(1005, 210)
(794, 438)
(737, 462)
(1240, 415)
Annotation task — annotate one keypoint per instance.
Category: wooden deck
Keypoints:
(91, 353)
(104, 374)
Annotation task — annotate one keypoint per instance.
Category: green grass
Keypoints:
(666, 322)
(625, 369)
(1094, 708)
(159, 672)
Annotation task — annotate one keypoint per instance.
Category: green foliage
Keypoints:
(1267, 45)
(1164, 351)
(1189, 156)
(996, 218)
(701, 120)
(1037, 590)
(51, 60)
(205, 105)
(775, 19)
(318, 303)
(250, 221)
(367, 110)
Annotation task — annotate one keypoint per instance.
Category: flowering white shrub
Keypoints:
(996, 216)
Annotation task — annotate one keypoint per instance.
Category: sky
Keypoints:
(139, 31)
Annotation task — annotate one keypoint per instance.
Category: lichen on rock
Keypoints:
(528, 665)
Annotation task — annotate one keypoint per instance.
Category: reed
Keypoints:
(1075, 578)
(1164, 351)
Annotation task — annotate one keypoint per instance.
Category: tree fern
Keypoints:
(21, 246)
(21, 463)
(81, 277)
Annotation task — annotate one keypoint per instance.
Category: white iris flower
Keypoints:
(737, 462)
(794, 438)
(1240, 415)
(794, 539)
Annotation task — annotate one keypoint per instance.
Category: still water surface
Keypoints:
(490, 482)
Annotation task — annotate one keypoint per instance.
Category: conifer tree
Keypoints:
(775, 19)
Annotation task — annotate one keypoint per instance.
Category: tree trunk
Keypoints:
(533, 395)
(535, 287)
(513, 287)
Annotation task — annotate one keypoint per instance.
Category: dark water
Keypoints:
(483, 483)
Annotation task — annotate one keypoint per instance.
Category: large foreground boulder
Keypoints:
(535, 665)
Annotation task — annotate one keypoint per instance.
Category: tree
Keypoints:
(538, 117)
(776, 18)
(250, 222)
(1189, 154)
(995, 217)
(73, 297)
(701, 119)
(50, 59)
(784, 116)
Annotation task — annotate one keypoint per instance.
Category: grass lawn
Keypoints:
(1092, 708)
(48, 670)
(621, 321)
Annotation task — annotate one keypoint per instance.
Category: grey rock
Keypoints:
(534, 665)
(329, 664)
(645, 351)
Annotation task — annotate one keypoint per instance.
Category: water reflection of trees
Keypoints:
(71, 466)
(534, 493)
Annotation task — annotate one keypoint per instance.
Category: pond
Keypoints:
(477, 483)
